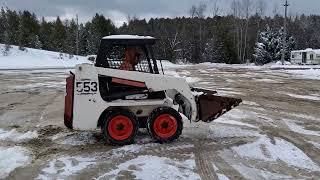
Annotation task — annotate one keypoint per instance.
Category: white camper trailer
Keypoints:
(307, 56)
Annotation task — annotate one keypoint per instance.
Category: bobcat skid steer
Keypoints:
(124, 91)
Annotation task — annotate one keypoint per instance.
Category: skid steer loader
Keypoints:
(124, 90)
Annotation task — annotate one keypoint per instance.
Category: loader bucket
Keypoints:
(211, 107)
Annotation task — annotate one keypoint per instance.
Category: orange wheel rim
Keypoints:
(165, 126)
(120, 128)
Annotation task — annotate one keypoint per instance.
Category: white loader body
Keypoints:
(89, 105)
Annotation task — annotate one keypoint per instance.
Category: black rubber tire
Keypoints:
(105, 123)
(153, 116)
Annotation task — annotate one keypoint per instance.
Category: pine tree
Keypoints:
(3, 23)
(21, 36)
(36, 43)
(59, 36)
(269, 46)
(45, 35)
(7, 45)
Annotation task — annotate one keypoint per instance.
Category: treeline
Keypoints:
(227, 39)
(24, 29)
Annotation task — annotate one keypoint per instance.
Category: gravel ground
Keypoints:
(274, 134)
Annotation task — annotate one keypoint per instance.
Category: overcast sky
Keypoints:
(118, 10)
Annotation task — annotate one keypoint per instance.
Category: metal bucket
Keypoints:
(211, 107)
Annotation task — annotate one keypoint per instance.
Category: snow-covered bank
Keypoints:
(37, 59)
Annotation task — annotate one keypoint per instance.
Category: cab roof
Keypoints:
(128, 39)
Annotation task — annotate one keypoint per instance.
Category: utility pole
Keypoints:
(284, 42)
(77, 37)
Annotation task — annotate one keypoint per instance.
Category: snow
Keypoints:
(267, 80)
(203, 71)
(235, 116)
(289, 67)
(252, 173)
(15, 136)
(296, 128)
(303, 116)
(307, 49)
(316, 144)
(47, 84)
(154, 167)
(264, 149)
(313, 74)
(35, 58)
(78, 139)
(226, 131)
(133, 148)
(124, 36)
(11, 158)
(233, 122)
(65, 166)
(184, 146)
(285, 63)
(169, 65)
(188, 79)
(220, 176)
(314, 98)
(250, 103)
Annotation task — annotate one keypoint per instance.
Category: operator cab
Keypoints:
(127, 52)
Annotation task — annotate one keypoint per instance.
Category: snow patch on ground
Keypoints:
(264, 149)
(122, 151)
(228, 93)
(11, 158)
(52, 84)
(65, 166)
(15, 136)
(236, 66)
(250, 103)
(154, 167)
(220, 176)
(35, 58)
(130, 149)
(233, 122)
(298, 129)
(234, 116)
(303, 116)
(76, 139)
(224, 130)
(316, 144)
(203, 71)
(267, 80)
(313, 74)
(252, 173)
(185, 146)
(168, 65)
(309, 97)
(176, 74)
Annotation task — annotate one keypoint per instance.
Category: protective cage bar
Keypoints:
(112, 55)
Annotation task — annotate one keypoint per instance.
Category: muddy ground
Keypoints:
(273, 134)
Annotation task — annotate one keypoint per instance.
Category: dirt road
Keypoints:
(274, 134)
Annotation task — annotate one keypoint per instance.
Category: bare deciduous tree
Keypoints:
(261, 6)
(246, 7)
(241, 10)
(215, 8)
(193, 11)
